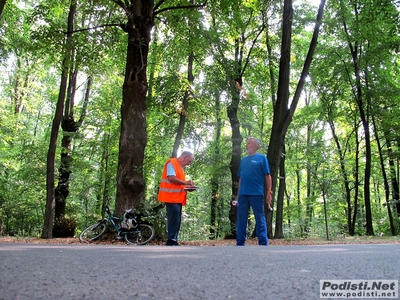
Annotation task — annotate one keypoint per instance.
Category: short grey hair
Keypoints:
(257, 141)
(187, 154)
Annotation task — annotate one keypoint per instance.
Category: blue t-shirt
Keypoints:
(170, 170)
(252, 171)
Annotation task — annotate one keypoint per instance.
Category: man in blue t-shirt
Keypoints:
(253, 174)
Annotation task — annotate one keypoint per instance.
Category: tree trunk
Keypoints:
(2, 5)
(282, 115)
(355, 51)
(236, 137)
(364, 121)
(278, 130)
(356, 182)
(184, 108)
(325, 216)
(236, 154)
(48, 216)
(215, 179)
(322, 184)
(309, 201)
(394, 181)
(385, 178)
(69, 126)
(133, 136)
(47, 232)
(367, 174)
(394, 184)
(343, 170)
(282, 183)
(105, 179)
(279, 206)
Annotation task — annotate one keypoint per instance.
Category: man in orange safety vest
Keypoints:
(172, 191)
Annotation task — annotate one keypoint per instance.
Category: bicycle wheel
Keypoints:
(92, 232)
(142, 236)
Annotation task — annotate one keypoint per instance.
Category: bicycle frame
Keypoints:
(120, 231)
(111, 220)
(140, 234)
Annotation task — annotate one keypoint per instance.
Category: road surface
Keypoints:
(33, 271)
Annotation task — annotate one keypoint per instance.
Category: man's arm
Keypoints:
(175, 180)
(268, 182)
(235, 202)
(237, 193)
(171, 174)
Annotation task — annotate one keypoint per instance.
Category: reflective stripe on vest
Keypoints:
(171, 190)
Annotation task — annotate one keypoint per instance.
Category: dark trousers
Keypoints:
(257, 204)
(174, 218)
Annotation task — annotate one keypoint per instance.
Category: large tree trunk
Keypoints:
(236, 154)
(280, 122)
(133, 136)
(282, 115)
(69, 126)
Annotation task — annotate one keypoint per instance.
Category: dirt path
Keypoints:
(272, 242)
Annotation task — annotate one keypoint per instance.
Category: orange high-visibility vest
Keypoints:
(169, 192)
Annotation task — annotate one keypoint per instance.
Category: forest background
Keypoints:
(96, 96)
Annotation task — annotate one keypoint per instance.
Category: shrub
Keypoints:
(64, 227)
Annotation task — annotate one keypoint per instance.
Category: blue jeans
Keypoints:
(174, 218)
(257, 204)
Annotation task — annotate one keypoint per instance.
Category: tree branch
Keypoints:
(176, 7)
(96, 27)
(123, 6)
(251, 48)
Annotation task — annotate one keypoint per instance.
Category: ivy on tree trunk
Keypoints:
(133, 135)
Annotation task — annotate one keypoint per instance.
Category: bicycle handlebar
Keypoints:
(110, 214)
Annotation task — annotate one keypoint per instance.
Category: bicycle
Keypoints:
(136, 232)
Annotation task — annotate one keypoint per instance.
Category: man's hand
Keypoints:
(268, 199)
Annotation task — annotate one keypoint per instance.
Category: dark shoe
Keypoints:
(171, 243)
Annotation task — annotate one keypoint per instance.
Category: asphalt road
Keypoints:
(32, 271)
